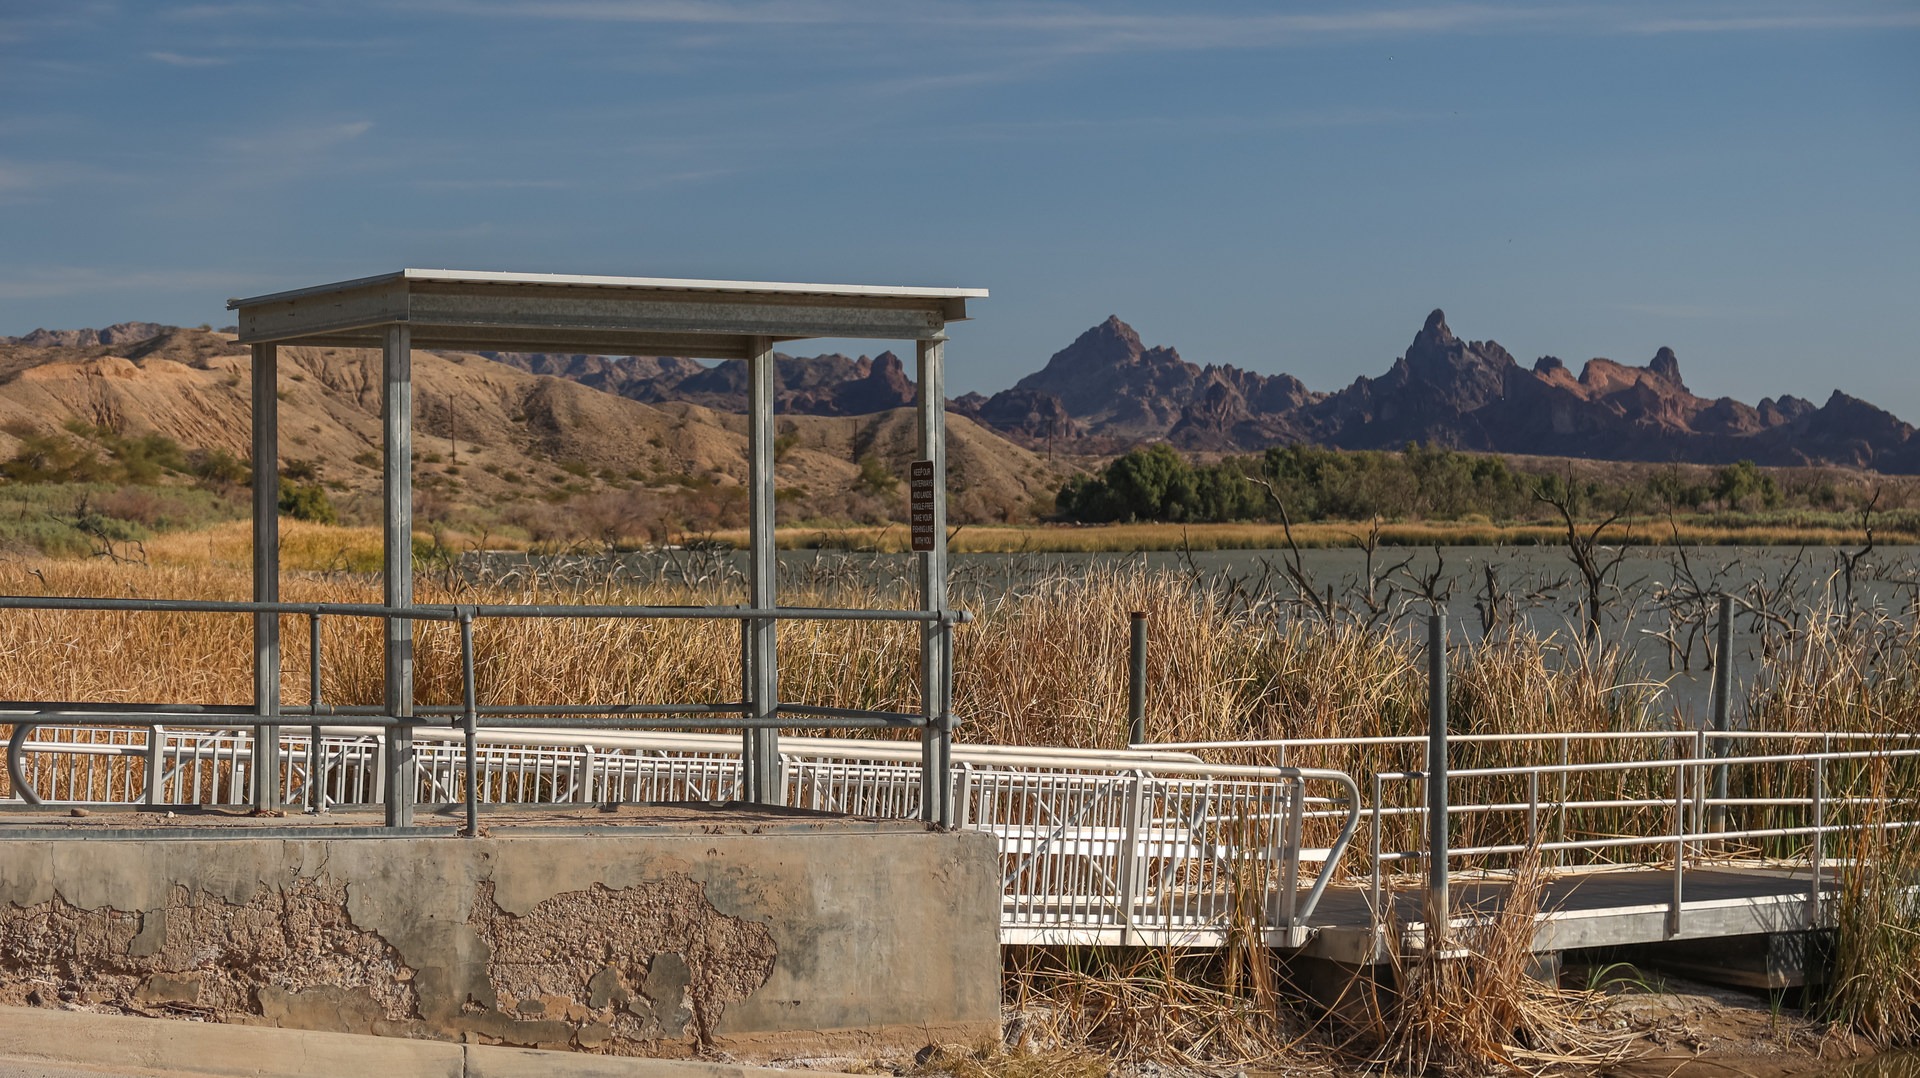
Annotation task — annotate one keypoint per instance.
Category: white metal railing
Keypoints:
(1697, 797)
(1096, 847)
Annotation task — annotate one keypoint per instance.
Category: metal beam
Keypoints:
(936, 637)
(760, 748)
(583, 309)
(364, 306)
(396, 414)
(266, 574)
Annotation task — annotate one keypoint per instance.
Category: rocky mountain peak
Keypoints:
(1435, 332)
(118, 333)
(1667, 365)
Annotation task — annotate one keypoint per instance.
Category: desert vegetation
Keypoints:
(1303, 483)
(1234, 658)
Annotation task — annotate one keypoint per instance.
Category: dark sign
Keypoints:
(920, 503)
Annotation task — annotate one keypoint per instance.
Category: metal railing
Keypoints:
(1096, 847)
(266, 716)
(1636, 799)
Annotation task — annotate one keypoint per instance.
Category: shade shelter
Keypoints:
(734, 320)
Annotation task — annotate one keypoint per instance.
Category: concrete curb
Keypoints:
(82, 1038)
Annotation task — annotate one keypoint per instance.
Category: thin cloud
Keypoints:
(1891, 20)
(175, 59)
(297, 142)
(1090, 28)
(49, 282)
(486, 184)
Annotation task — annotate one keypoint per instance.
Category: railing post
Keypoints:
(156, 762)
(316, 746)
(469, 721)
(1722, 712)
(1816, 855)
(1290, 853)
(1133, 809)
(1438, 906)
(1137, 680)
(1374, 896)
(1679, 846)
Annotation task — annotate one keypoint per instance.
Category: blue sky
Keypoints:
(1279, 186)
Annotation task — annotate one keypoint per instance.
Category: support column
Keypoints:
(396, 414)
(266, 574)
(1439, 907)
(936, 638)
(760, 748)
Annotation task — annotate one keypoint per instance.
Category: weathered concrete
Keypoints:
(756, 938)
(150, 1046)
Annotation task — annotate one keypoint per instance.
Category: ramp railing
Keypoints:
(1638, 799)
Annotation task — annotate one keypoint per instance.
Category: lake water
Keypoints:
(1659, 602)
(1891, 1065)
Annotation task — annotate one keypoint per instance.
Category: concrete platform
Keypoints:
(647, 930)
(116, 1044)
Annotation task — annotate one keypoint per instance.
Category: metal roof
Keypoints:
(588, 280)
(473, 309)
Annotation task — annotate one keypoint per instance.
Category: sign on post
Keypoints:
(920, 503)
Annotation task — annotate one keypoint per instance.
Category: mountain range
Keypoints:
(651, 417)
(1107, 391)
(1108, 387)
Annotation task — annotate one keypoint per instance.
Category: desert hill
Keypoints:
(538, 450)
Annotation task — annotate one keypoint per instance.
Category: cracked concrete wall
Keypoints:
(658, 943)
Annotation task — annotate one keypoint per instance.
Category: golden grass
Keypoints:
(1128, 538)
(1472, 1003)
(1047, 665)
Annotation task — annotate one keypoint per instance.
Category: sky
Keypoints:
(1279, 186)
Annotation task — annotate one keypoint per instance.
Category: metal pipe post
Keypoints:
(760, 747)
(1722, 711)
(266, 574)
(396, 413)
(469, 723)
(316, 749)
(1438, 906)
(1137, 681)
(936, 637)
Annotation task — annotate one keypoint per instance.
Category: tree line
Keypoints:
(1157, 483)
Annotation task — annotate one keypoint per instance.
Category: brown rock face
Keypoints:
(1447, 391)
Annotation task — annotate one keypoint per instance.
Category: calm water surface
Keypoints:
(1658, 601)
(1891, 1065)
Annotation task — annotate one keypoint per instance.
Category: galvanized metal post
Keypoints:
(1438, 906)
(761, 746)
(266, 575)
(1137, 680)
(1722, 711)
(469, 713)
(396, 413)
(316, 744)
(936, 637)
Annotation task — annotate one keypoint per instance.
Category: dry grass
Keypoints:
(1469, 1002)
(1047, 664)
(1127, 538)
